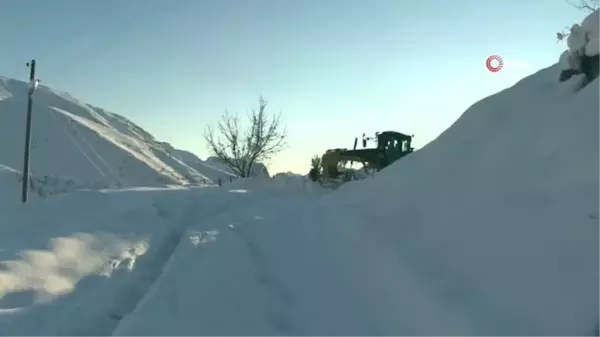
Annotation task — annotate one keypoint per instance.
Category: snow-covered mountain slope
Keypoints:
(88, 144)
(212, 172)
(259, 169)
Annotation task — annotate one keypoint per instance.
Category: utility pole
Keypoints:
(32, 87)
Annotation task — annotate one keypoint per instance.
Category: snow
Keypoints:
(212, 172)
(583, 39)
(577, 40)
(39, 187)
(590, 26)
(69, 267)
(490, 229)
(97, 148)
(4, 94)
(566, 62)
(259, 169)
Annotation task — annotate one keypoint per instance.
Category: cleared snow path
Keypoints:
(270, 267)
(227, 259)
(68, 268)
(225, 262)
(151, 266)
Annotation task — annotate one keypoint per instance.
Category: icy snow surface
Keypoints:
(491, 229)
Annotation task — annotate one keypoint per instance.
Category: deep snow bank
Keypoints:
(498, 216)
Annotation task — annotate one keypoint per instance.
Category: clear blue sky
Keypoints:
(336, 68)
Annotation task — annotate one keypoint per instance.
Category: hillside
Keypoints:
(259, 169)
(91, 146)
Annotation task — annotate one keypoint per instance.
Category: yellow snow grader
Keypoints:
(391, 146)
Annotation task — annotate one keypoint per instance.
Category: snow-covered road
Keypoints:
(227, 260)
(67, 267)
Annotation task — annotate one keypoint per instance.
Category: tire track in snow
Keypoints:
(132, 274)
(279, 299)
(151, 268)
(122, 282)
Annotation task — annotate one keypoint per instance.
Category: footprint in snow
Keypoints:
(126, 260)
(202, 238)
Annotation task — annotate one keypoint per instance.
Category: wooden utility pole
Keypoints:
(32, 87)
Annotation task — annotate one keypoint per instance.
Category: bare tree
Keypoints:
(240, 149)
(585, 5)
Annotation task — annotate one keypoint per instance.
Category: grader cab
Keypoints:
(391, 146)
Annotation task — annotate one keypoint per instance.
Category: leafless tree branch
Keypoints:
(585, 5)
(241, 150)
